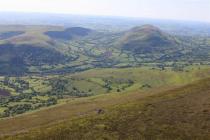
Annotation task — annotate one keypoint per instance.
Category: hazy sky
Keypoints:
(167, 9)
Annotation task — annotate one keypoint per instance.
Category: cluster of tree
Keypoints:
(19, 97)
(22, 108)
(176, 67)
(77, 93)
(146, 86)
(18, 84)
(51, 101)
(61, 87)
(16, 109)
(125, 82)
(108, 85)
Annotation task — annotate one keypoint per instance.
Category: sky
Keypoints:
(198, 10)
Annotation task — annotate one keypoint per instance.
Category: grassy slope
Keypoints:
(147, 75)
(180, 113)
(70, 109)
(75, 108)
(95, 79)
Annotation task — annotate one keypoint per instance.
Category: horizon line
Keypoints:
(108, 16)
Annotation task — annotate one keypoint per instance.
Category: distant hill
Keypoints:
(69, 33)
(146, 39)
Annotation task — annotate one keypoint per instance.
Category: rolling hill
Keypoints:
(146, 39)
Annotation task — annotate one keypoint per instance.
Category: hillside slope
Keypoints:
(180, 113)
